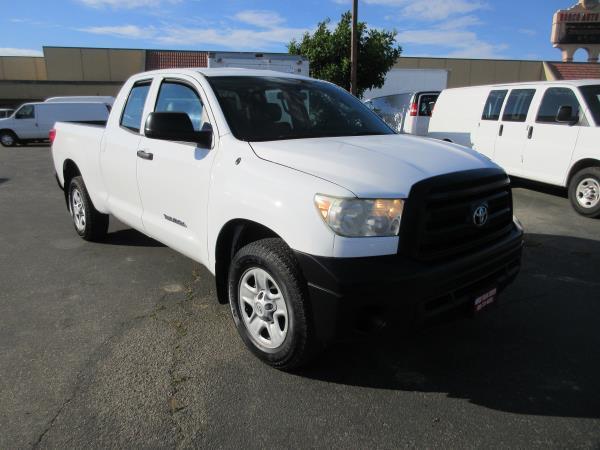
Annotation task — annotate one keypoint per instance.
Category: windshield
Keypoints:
(272, 108)
(592, 98)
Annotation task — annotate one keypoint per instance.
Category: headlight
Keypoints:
(354, 217)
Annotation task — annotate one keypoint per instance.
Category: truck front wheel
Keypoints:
(584, 192)
(269, 304)
(8, 139)
(89, 223)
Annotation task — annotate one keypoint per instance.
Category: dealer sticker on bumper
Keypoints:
(484, 300)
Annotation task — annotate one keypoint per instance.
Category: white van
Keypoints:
(546, 131)
(33, 121)
(406, 113)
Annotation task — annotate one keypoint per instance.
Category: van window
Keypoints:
(517, 105)
(553, 99)
(592, 98)
(176, 96)
(26, 112)
(426, 102)
(493, 105)
(132, 113)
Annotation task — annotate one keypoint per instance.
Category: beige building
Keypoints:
(101, 71)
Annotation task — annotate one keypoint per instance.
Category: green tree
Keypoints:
(329, 53)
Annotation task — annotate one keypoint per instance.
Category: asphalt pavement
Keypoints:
(122, 343)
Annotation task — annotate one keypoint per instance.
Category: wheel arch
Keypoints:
(70, 171)
(234, 235)
(579, 165)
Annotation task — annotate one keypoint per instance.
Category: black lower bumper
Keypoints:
(340, 288)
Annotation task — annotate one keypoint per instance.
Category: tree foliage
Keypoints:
(329, 53)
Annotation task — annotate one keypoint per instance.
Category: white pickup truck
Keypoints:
(310, 211)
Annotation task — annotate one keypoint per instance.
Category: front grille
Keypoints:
(440, 214)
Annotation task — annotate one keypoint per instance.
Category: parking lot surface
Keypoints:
(122, 343)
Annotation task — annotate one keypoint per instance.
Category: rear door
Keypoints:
(174, 183)
(486, 133)
(426, 103)
(119, 156)
(512, 134)
(550, 144)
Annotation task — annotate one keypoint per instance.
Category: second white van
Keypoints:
(545, 131)
(33, 121)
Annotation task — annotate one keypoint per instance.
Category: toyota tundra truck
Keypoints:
(308, 209)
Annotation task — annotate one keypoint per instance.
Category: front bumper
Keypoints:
(341, 288)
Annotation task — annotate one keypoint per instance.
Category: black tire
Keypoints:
(275, 257)
(95, 224)
(8, 138)
(588, 177)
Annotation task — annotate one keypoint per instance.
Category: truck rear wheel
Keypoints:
(269, 304)
(8, 138)
(90, 224)
(584, 192)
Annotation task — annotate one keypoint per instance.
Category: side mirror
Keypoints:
(565, 115)
(176, 126)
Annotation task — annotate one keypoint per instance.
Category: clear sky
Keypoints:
(454, 28)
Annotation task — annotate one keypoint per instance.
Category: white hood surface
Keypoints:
(383, 166)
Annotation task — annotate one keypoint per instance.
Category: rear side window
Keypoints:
(176, 96)
(493, 105)
(132, 113)
(553, 99)
(426, 103)
(517, 105)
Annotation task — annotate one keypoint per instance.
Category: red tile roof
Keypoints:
(575, 71)
(169, 59)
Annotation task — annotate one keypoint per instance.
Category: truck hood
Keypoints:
(384, 166)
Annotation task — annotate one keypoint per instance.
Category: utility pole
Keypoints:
(354, 50)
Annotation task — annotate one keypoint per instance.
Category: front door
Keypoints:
(512, 134)
(25, 125)
(551, 144)
(173, 177)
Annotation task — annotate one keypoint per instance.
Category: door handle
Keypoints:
(145, 155)
(501, 129)
(530, 132)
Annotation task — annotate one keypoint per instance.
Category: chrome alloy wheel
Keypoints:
(7, 140)
(588, 192)
(78, 209)
(263, 308)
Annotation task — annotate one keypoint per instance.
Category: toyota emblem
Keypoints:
(480, 215)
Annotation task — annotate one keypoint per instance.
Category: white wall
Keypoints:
(398, 81)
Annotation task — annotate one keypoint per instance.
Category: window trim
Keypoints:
(581, 117)
(506, 91)
(534, 90)
(136, 84)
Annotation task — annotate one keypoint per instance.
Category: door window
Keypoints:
(426, 103)
(517, 105)
(553, 99)
(493, 105)
(26, 112)
(176, 96)
(134, 108)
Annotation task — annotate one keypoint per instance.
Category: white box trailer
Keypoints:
(398, 81)
(267, 61)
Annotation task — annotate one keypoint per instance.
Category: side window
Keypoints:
(26, 112)
(553, 99)
(134, 108)
(493, 105)
(517, 105)
(178, 97)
